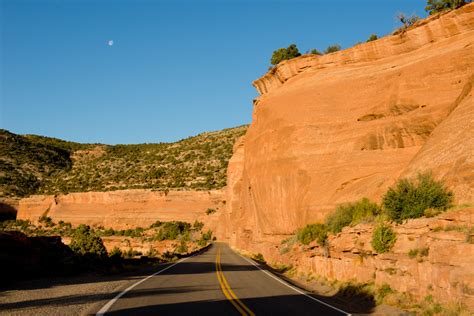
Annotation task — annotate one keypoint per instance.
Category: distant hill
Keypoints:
(31, 164)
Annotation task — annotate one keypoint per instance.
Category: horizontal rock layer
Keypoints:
(442, 266)
(333, 129)
(124, 209)
(329, 135)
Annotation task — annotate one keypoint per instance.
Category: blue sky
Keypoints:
(175, 69)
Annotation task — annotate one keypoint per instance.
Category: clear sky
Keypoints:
(174, 69)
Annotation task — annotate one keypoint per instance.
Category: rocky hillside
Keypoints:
(35, 164)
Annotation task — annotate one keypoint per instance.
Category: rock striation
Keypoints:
(124, 209)
(432, 256)
(335, 128)
(332, 129)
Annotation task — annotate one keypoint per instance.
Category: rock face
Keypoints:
(335, 128)
(126, 208)
(430, 257)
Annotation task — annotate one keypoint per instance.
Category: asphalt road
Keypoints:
(215, 282)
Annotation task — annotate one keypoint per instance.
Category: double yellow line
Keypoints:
(229, 294)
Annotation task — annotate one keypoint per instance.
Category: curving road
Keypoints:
(215, 282)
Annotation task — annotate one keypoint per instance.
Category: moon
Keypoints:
(110, 43)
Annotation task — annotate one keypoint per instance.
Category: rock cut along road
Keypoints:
(215, 282)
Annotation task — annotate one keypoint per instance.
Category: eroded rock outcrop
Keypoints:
(432, 256)
(347, 125)
(336, 128)
(125, 208)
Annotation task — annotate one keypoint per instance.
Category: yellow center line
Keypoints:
(228, 293)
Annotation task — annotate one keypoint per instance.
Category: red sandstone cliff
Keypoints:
(335, 128)
(125, 208)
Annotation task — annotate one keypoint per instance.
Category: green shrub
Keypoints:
(332, 48)
(116, 254)
(284, 54)
(172, 230)
(382, 292)
(351, 214)
(413, 253)
(312, 232)
(410, 199)
(314, 51)
(132, 253)
(259, 258)
(46, 220)
(197, 226)
(205, 238)
(85, 243)
(422, 252)
(383, 238)
(152, 253)
(372, 37)
(435, 6)
(182, 248)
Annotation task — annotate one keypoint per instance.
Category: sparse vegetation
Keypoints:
(259, 258)
(205, 238)
(436, 6)
(182, 248)
(87, 244)
(372, 37)
(198, 225)
(116, 254)
(332, 48)
(410, 199)
(314, 51)
(383, 238)
(35, 164)
(312, 232)
(287, 269)
(407, 22)
(351, 214)
(284, 54)
(468, 230)
(172, 230)
(422, 252)
(46, 220)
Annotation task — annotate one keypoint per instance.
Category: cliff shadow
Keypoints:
(7, 212)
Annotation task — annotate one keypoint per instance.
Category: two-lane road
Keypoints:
(215, 282)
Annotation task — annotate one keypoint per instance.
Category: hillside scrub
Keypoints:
(407, 199)
(87, 244)
(372, 37)
(352, 214)
(410, 198)
(41, 165)
(436, 6)
(284, 54)
(25, 163)
(332, 48)
(383, 238)
(318, 232)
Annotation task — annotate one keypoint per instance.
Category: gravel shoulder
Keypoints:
(78, 295)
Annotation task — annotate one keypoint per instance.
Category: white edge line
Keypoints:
(294, 288)
(107, 306)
